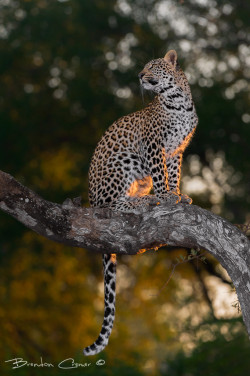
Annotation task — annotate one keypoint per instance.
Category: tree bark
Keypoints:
(105, 231)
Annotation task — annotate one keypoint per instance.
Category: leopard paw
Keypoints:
(185, 199)
(170, 197)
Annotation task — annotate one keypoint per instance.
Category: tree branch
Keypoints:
(104, 231)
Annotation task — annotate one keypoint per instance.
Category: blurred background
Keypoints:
(68, 69)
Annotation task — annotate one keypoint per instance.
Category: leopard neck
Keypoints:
(175, 100)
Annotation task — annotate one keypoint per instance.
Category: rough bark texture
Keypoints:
(104, 231)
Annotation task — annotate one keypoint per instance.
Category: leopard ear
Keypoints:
(171, 58)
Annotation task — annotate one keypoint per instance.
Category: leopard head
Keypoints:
(164, 75)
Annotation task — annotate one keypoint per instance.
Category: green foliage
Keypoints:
(213, 358)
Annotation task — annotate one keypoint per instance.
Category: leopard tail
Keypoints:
(109, 270)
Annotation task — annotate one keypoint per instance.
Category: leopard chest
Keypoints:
(170, 129)
(177, 129)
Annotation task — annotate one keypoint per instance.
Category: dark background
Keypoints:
(68, 69)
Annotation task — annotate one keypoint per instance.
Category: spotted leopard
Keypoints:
(138, 152)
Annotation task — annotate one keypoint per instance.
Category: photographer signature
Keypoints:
(68, 363)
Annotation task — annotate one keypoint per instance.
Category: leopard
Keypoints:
(141, 153)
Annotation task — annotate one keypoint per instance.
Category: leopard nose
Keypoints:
(140, 75)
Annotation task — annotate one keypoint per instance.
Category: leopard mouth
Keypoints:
(145, 80)
(149, 84)
(152, 81)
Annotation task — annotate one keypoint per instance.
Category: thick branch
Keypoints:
(104, 231)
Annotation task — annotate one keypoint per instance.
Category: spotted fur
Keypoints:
(141, 151)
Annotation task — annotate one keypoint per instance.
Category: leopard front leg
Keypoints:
(159, 174)
(174, 174)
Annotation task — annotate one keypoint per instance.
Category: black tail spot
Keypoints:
(111, 298)
(99, 340)
(107, 312)
(103, 331)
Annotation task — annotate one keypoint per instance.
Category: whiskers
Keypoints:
(149, 94)
(142, 93)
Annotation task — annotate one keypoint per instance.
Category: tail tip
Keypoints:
(88, 351)
(95, 348)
